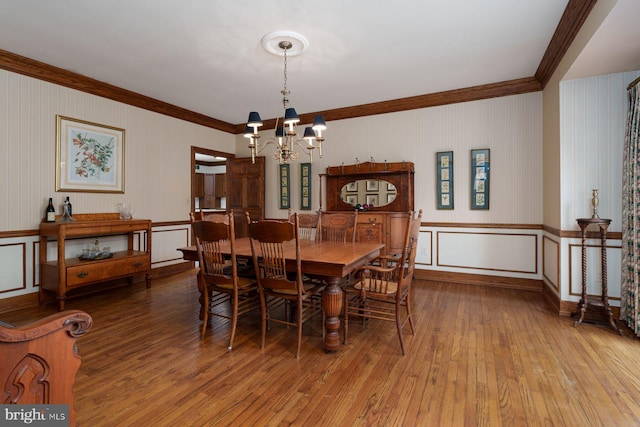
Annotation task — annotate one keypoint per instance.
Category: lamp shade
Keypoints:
(309, 134)
(290, 116)
(279, 132)
(319, 123)
(248, 132)
(254, 119)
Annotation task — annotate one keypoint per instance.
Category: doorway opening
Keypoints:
(203, 161)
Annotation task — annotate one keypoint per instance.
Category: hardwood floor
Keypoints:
(481, 357)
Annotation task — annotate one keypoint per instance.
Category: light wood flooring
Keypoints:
(482, 356)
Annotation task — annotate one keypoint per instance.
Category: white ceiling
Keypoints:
(206, 56)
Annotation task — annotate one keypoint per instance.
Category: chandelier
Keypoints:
(285, 138)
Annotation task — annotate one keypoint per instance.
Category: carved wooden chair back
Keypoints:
(210, 216)
(307, 225)
(337, 226)
(382, 290)
(269, 242)
(40, 360)
(218, 278)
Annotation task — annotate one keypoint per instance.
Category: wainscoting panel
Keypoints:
(424, 256)
(498, 252)
(551, 262)
(13, 255)
(165, 241)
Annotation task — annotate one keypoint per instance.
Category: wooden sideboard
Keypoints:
(399, 174)
(383, 223)
(382, 227)
(68, 273)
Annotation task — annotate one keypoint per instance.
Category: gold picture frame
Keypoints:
(89, 156)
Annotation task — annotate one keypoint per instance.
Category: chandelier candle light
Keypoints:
(286, 136)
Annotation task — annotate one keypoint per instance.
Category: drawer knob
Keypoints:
(372, 220)
(137, 264)
(83, 274)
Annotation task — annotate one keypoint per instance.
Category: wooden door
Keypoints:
(245, 191)
(209, 201)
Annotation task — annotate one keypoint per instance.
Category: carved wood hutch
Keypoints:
(385, 221)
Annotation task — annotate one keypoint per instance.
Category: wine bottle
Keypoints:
(68, 203)
(50, 212)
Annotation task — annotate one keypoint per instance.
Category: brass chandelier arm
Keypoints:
(285, 151)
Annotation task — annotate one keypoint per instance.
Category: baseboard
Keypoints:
(480, 280)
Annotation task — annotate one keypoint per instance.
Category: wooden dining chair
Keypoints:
(337, 226)
(308, 225)
(276, 285)
(223, 292)
(200, 215)
(383, 290)
(243, 266)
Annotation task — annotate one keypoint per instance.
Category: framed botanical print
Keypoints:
(444, 179)
(372, 185)
(305, 186)
(284, 186)
(89, 156)
(480, 168)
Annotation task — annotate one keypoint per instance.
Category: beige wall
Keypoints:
(551, 116)
(157, 153)
(511, 127)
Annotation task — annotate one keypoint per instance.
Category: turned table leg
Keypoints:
(332, 306)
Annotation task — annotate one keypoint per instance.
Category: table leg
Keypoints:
(332, 306)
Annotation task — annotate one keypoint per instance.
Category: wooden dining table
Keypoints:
(330, 260)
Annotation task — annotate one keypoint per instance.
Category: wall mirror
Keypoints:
(382, 186)
(373, 193)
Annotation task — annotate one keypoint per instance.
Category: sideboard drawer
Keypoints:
(371, 218)
(90, 272)
(370, 227)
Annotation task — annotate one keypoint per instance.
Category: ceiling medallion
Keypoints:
(298, 43)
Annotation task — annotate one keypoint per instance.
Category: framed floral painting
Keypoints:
(89, 156)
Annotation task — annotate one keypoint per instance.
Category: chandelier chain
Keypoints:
(285, 92)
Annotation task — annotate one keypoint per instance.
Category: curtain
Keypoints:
(630, 285)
